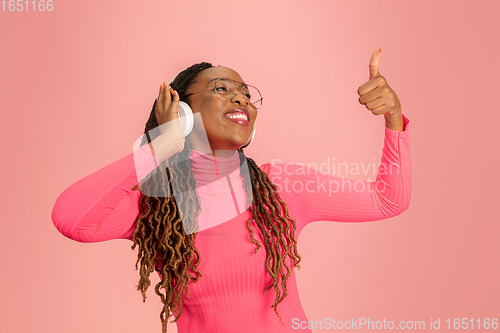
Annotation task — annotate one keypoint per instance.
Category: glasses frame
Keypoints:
(234, 94)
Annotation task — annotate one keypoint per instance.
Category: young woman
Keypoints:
(219, 230)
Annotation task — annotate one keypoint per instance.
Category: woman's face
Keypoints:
(222, 132)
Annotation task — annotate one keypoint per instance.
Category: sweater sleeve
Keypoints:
(314, 196)
(103, 205)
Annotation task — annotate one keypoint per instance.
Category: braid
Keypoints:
(277, 230)
(166, 240)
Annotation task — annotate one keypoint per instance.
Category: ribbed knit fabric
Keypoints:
(231, 296)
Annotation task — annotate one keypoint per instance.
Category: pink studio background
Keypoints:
(77, 85)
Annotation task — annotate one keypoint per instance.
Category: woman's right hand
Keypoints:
(167, 116)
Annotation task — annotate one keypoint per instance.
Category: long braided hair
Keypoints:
(166, 239)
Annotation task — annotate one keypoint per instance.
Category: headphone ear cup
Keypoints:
(249, 141)
(186, 118)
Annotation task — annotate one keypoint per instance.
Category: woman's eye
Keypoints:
(221, 88)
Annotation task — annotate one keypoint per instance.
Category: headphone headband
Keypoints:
(175, 76)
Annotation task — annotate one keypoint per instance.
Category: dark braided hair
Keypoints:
(167, 241)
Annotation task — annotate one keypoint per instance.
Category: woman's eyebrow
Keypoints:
(214, 79)
(225, 78)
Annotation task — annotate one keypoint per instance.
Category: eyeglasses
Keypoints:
(228, 88)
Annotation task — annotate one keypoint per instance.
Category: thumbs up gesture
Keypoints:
(378, 97)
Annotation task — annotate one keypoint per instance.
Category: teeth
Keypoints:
(238, 116)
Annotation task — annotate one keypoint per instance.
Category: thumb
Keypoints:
(374, 63)
(173, 111)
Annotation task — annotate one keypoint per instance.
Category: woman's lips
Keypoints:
(240, 121)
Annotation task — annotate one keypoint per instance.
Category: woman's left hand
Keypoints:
(378, 96)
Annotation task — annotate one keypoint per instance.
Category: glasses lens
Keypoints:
(226, 89)
(254, 95)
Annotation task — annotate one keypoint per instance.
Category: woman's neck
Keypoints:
(208, 168)
(204, 147)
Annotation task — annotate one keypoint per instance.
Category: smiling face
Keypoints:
(224, 121)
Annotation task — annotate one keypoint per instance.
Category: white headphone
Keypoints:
(186, 118)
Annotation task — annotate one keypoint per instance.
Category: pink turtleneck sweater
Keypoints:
(231, 296)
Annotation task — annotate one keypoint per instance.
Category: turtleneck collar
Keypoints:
(208, 168)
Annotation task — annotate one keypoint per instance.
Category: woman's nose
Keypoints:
(241, 98)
